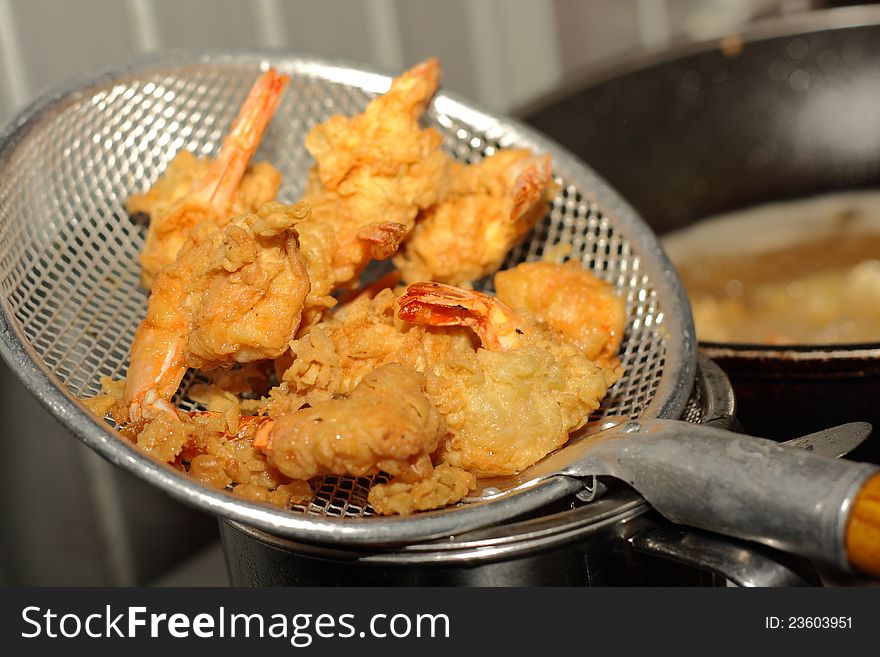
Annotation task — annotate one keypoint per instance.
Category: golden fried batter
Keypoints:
(218, 456)
(194, 191)
(547, 384)
(387, 425)
(513, 401)
(490, 207)
(507, 410)
(333, 356)
(375, 171)
(247, 285)
(446, 485)
(571, 300)
(431, 384)
(234, 294)
(172, 216)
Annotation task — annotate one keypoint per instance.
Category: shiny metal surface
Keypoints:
(594, 543)
(68, 267)
(744, 564)
(726, 482)
(835, 442)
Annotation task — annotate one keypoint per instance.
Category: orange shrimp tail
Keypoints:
(383, 239)
(223, 178)
(262, 439)
(153, 377)
(436, 304)
(414, 89)
(531, 186)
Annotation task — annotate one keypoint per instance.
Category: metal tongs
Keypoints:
(791, 496)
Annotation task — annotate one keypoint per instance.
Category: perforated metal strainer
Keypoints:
(69, 270)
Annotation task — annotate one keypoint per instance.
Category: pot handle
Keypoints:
(862, 539)
(742, 562)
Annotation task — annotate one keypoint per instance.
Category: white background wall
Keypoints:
(500, 52)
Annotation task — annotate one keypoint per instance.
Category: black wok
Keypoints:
(788, 109)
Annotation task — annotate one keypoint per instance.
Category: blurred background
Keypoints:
(95, 524)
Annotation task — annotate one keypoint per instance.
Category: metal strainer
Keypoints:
(69, 269)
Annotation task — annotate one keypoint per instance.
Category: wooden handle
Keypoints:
(863, 529)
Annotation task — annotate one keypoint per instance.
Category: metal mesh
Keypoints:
(68, 249)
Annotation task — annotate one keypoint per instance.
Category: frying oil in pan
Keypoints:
(798, 272)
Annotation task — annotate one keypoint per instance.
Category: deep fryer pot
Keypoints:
(786, 109)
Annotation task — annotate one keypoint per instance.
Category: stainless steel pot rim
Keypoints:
(795, 352)
(668, 401)
(490, 544)
(713, 396)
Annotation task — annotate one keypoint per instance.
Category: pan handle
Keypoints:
(741, 562)
(751, 488)
(862, 539)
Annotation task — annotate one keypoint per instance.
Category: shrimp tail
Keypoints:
(151, 382)
(436, 304)
(414, 89)
(383, 238)
(531, 185)
(219, 185)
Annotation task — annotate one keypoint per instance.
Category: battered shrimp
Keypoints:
(431, 384)
(490, 207)
(571, 300)
(234, 294)
(387, 424)
(194, 191)
(331, 357)
(484, 364)
(514, 400)
(374, 172)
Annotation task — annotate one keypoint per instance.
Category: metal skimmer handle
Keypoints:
(730, 483)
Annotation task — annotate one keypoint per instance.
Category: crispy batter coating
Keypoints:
(387, 424)
(570, 299)
(375, 171)
(446, 485)
(246, 287)
(547, 384)
(216, 448)
(194, 191)
(333, 356)
(490, 207)
(173, 214)
(433, 385)
(507, 410)
(234, 294)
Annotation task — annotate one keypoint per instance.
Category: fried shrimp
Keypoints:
(194, 191)
(512, 365)
(432, 385)
(234, 294)
(571, 300)
(387, 424)
(490, 207)
(375, 171)
(522, 371)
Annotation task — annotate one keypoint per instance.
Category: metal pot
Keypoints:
(613, 540)
(785, 110)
